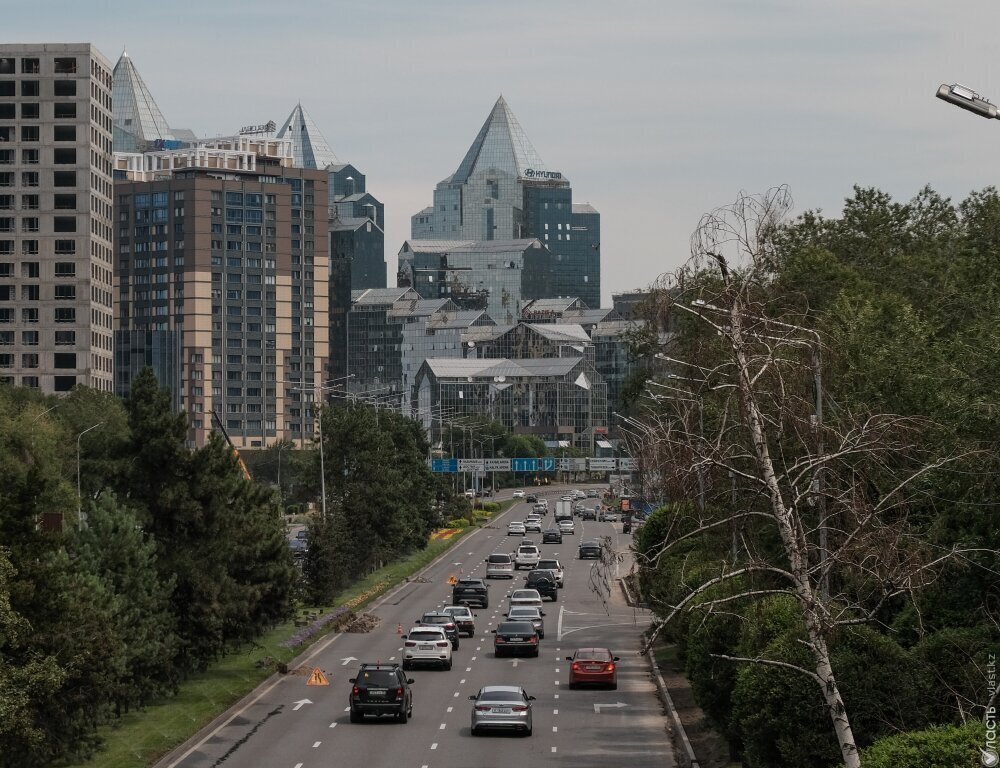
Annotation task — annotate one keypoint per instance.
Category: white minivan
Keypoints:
(499, 566)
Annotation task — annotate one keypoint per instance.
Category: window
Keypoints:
(30, 88)
(65, 293)
(29, 202)
(62, 383)
(29, 224)
(31, 292)
(29, 360)
(64, 133)
(29, 178)
(65, 111)
(65, 268)
(65, 338)
(29, 338)
(64, 156)
(7, 315)
(6, 361)
(234, 198)
(62, 88)
(6, 224)
(7, 179)
(7, 156)
(65, 315)
(7, 293)
(30, 156)
(30, 133)
(65, 246)
(65, 65)
(64, 224)
(7, 338)
(7, 65)
(64, 360)
(29, 110)
(29, 247)
(30, 270)
(7, 112)
(6, 246)
(29, 315)
(64, 178)
(64, 202)
(30, 66)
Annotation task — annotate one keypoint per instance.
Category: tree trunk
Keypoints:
(794, 549)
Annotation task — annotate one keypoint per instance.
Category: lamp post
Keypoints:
(79, 490)
(968, 99)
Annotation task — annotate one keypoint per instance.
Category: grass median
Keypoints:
(139, 739)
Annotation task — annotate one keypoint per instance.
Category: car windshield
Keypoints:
(379, 677)
(593, 654)
(499, 696)
(424, 636)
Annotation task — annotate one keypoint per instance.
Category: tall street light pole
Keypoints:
(79, 490)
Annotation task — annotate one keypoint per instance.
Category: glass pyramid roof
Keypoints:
(137, 120)
(309, 147)
(502, 144)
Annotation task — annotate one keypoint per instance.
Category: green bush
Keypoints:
(458, 522)
(947, 746)
(491, 507)
(713, 679)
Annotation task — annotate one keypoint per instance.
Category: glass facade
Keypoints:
(138, 122)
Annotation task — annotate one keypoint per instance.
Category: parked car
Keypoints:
(426, 645)
(533, 523)
(380, 689)
(529, 597)
(505, 707)
(464, 618)
(551, 536)
(567, 527)
(518, 494)
(590, 549)
(471, 592)
(526, 613)
(526, 557)
(544, 582)
(515, 528)
(553, 565)
(443, 620)
(515, 637)
(499, 566)
(593, 665)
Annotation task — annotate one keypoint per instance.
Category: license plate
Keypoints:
(500, 711)
(425, 647)
(594, 667)
(516, 640)
(379, 692)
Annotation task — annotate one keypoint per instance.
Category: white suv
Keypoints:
(426, 645)
(526, 557)
(552, 565)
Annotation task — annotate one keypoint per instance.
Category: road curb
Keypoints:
(682, 745)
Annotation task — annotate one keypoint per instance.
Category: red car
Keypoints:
(593, 665)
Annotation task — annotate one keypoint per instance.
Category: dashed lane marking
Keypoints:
(553, 749)
(316, 744)
(554, 729)
(456, 694)
(462, 681)
(333, 725)
(555, 711)
(434, 745)
(450, 709)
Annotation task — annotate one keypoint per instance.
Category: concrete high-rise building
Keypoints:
(503, 190)
(56, 271)
(223, 269)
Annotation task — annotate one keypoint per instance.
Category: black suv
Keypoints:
(544, 582)
(532, 499)
(381, 689)
(515, 637)
(444, 621)
(471, 592)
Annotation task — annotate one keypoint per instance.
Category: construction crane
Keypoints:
(236, 453)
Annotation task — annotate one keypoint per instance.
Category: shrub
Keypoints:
(491, 507)
(947, 746)
(458, 522)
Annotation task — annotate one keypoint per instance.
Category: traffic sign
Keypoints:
(627, 464)
(470, 465)
(547, 464)
(602, 465)
(444, 465)
(524, 465)
(498, 465)
(317, 677)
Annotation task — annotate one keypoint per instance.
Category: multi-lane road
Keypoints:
(287, 724)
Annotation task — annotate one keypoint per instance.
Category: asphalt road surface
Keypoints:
(287, 724)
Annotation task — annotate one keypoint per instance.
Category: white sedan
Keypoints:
(515, 529)
(518, 494)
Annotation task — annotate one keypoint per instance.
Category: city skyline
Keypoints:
(659, 111)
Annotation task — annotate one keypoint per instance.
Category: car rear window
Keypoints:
(500, 559)
(596, 654)
(378, 677)
(552, 565)
(425, 636)
(516, 627)
(437, 619)
(499, 696)
(524, 594)
(528, 550)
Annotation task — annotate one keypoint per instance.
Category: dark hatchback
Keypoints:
(471, 592)
(590, 549)
(443, 621)
(381, 689)
(552, 536)
(515, 637)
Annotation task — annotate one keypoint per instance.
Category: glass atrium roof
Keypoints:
(137, 119)
(502, 144)
(309, 146)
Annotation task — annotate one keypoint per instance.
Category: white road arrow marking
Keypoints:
(616, 705)
(348, 660)
(514, 662)
(299, 704)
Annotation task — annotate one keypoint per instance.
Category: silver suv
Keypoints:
(526, 557)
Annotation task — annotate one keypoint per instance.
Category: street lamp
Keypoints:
(79, 492)
(968, 99)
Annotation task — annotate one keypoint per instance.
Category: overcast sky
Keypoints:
(657, 111)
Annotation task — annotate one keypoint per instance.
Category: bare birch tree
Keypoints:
(744, 405)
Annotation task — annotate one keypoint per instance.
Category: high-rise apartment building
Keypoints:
(56, 272)
(223, 270)
(503, 190)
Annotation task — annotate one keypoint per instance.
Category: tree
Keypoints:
(823, 515)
